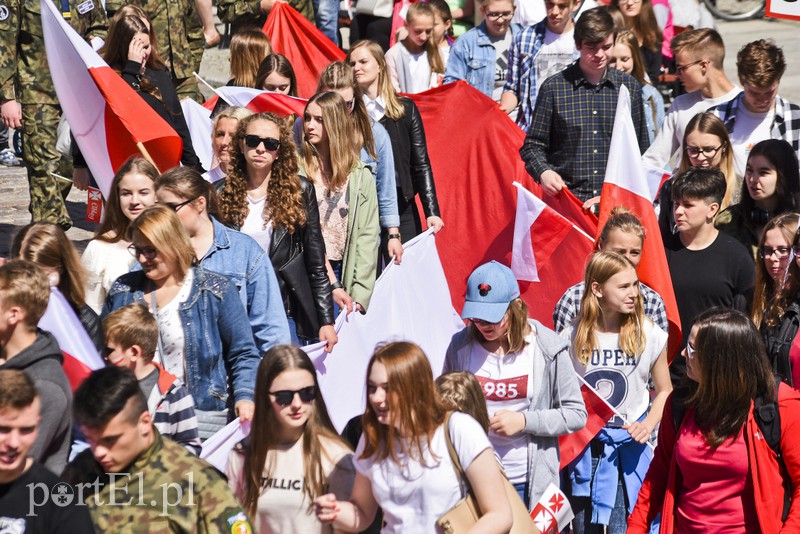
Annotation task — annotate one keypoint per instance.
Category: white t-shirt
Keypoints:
(501, 46)
(556, 54)
(669, 141)
(414, 496)
(529, 12)
(104, 263)
(749, 129)
(508, 384)
(254, 224)
(170, 331)
(283, 505)
(620, 378)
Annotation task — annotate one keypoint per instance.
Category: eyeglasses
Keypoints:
(707, 152)
(767, 252)
(270, 143)
(176, 207)
(690, 350)
(680, 69)
(499, 16)
(148, 252)
(285, 397)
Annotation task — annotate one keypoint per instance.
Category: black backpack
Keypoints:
(768, 419)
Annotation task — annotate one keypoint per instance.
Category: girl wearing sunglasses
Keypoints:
(228, 252)
(106, 257)
(771, 187)
(293, 454)
(264, 196)
(617, 350)
(526, 376)
(200, 319)
(402, 459)
(347, 199)
(781, 321)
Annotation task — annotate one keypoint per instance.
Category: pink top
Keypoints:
(716, 495)
(668, 32)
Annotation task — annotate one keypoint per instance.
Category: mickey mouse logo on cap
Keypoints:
(484, 289)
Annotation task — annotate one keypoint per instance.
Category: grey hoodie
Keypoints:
(41, 361)
(559, 409)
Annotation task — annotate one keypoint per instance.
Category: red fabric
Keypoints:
(570, 207)
(306, 48)
(663, 479)
(653, 269)
(794, 360)
(715, 495)
(477, 198)
(211, 103)
(599, 412)
(129, 120)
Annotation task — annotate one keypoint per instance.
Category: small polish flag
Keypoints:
(198, 119)
(552, 513)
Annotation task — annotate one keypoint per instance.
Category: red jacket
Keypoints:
(663, 479)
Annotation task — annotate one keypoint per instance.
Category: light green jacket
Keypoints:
(360, 262)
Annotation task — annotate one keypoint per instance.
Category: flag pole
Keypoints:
(590, 238)
(201, 80)
(146, 155)
(627, 423)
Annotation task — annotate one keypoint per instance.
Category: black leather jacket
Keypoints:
(411, 162)
(299, 262)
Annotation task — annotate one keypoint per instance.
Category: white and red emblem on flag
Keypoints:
(626, 184)
(94, 205)
(109, 121)
(552, 513)
(80, 354)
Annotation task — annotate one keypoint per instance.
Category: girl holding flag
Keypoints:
(616, 350)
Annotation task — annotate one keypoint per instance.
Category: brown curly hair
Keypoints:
(284, 205)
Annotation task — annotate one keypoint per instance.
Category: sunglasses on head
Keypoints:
(270, 143)
(285, 397)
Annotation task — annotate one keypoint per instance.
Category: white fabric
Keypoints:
(509, 382)
(214, 175)
(669, 141)
(198, 119)
(621, 169)
(218, 447)
(414, 496)
(284, 505)
(61, 320)
(254, 224)
(104, 263)
(555, 54)
(523, 261)
(529, 12)
(411, 301)
(620, 378)
(375, 108)
(170, 330)
(749, 129)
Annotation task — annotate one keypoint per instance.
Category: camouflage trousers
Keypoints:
(188, 87)
(47, 193)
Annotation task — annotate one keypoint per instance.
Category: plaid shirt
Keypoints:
(785, 125)
(571, 129)
(570, 302)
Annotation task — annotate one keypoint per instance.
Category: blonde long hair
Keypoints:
(394, 106)
(602, 266)
(248, 50)
(707, 122)
(343, 140)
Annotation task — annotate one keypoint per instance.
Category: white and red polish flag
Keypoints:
(80, 354)
(257, 100)
(570, 446)
(552, 513)
(109, 121)
(626, 184)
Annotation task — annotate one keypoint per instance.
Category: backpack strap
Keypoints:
(462, 476)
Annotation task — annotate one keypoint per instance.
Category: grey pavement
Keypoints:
(216, 66)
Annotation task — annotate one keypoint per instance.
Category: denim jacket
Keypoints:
(215, 343)
(244, 262)
(473, 59)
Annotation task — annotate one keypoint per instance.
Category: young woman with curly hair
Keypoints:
(264, 197)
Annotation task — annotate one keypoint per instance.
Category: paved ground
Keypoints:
(215, 68)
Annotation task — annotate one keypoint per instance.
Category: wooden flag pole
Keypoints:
(146, 155)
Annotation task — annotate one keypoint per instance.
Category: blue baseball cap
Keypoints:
(490, 289)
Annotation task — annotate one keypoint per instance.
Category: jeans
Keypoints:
(582, 507)
(326, 17)
(296, 340)
(337, 270)
(522, 491)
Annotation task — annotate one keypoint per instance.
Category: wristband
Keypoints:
(336, 285)
(395, 236)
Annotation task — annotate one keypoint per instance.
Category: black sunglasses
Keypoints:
(270, 143)
(285, 397)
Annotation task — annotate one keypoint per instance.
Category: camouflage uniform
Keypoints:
(180, 38)
(25, 76)
(151, 493)
(241, 13)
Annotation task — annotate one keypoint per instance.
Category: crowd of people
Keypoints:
(201, 287)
